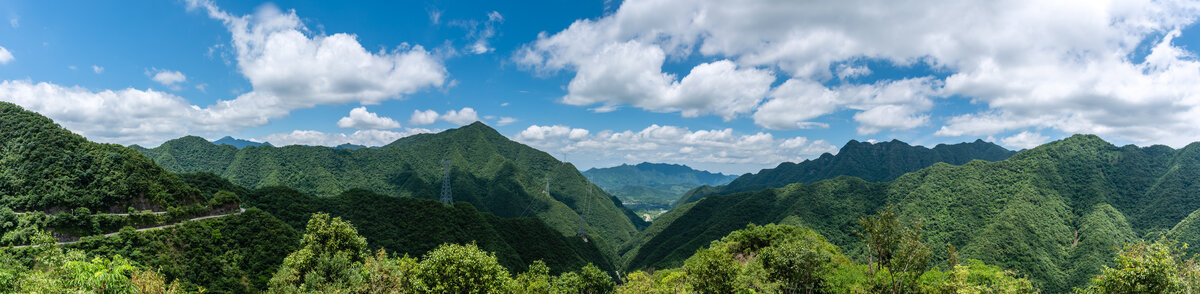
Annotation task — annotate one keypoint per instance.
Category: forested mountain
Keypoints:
(652, 183)
(493, 173)
(874, 162)
(239, 143)
(44, 167)
(1054, 212)
(416, 226)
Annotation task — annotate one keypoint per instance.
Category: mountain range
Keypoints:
(873, 162)
(487, 170)
(652, 185)
(239, 143)
(1054, 213)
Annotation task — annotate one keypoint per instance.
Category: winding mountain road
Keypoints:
(240, 210)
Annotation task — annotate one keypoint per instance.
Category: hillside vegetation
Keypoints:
(489, 171)
(44, 167)
(1054, 212)
(652, 184)
(873, 162)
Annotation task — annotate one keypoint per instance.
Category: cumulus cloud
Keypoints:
(288, 66)
(360, 118)
(720, 149)
(166, 77)
(360, 137)
(5, 56)
(421, 118)
(98, 69)
(1024, 140)
(1068, 65)
(127, 116)
(883, 105)
(460, 117)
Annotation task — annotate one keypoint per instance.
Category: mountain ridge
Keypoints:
(874, 162)
(1054, 212)
(653, 185)
(490, 171)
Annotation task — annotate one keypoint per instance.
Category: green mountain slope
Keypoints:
(489, 171)
(44, 167)
(656, 184)
(1054, 212)
(874, 162)
(416, 226)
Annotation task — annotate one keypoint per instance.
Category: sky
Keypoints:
(725, 86)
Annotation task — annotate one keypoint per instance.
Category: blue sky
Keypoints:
(599, 83)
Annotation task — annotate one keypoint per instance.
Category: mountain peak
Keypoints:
(239, 143)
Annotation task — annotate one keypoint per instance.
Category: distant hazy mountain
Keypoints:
(657, 184)
(493, 173)
(349, 146)
(873, 162)
(239, 143)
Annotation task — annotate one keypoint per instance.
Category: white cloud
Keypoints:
(360, 118)
(15, 22)
(1072, 66)
(466, 115)
(127, 116)
(461, 117)
(710, 149)
(435, 16)
(504, 121)
(884, 105)
(287, 65)
(5, 56)
(361, 137)
(846, 71)
(167, 77)
(97, 69)
(1024, 140)
(479, 32)
(421, 118)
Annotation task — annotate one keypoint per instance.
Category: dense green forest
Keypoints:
(1054, 212)
(1077, 214)
(874, 162)
(489, 171)
(44, 167)
(652, 185)
(415, 226)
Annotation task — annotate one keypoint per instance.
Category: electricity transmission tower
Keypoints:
(446, 198)
(582, 232)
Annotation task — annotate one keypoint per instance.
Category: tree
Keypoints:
(894, 249)
(712, 271)
(454, 268)
(328, 252)
(799, 267)
(1142, 267)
